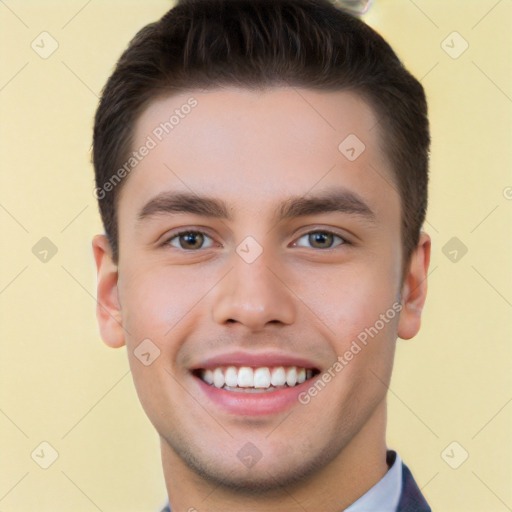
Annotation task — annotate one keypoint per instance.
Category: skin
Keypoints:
(255, 149)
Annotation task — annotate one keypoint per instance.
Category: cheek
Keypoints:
(156, 302)
(352, 299)
(366, 330)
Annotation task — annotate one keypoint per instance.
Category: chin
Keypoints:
(262, 476)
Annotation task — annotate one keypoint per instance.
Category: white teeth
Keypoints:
(208, 376)
(245, 377)
(231, 377)
(218, 378)
(262, 378)
(278, 376)
(291, 376)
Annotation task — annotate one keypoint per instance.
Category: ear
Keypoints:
(414, 289)
(108, 309)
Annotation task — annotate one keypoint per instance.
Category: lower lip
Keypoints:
(253, 404)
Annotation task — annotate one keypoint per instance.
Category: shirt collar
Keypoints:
(385, 494)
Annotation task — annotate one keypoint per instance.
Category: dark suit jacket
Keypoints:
(411, 499)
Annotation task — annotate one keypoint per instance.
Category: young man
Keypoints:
(261, 171)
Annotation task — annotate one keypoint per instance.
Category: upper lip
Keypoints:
(255, 359)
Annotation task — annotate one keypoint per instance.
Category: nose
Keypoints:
(254, 295)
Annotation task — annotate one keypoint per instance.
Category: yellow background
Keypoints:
(62, 385)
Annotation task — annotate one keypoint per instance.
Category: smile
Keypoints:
(247, 379)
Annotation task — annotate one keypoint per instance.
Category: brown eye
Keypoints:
(188, 240)
(320, 240)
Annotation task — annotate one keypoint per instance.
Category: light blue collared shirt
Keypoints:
(384, 495)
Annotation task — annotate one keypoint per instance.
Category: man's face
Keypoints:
(270, 287)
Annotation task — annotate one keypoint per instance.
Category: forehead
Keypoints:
(254, 147)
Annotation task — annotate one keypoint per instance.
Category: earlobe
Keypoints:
(414, 289)
(108, 309)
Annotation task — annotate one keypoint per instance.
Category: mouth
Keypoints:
(255, 380)
(248, 384)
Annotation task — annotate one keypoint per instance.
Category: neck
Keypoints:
(357, 468)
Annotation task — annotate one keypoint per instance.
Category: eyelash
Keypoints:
(344, 241)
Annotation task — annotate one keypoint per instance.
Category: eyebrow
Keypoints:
(338, 200)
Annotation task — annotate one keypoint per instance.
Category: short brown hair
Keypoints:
(260, 43)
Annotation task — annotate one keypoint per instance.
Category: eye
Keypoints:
(189, 240)
(321, 239)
